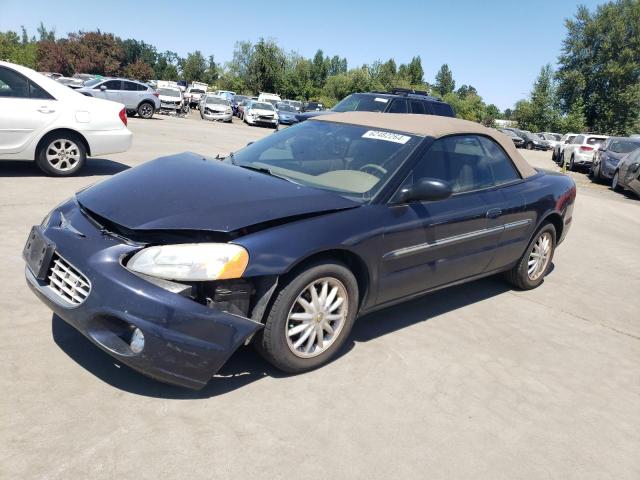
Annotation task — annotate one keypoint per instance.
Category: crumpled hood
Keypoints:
(188, 192)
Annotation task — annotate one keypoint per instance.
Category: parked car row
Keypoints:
(526, 139)
(618, 161)
(606, 159)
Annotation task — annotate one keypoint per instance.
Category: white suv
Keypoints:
(579, 153)
(42, 120)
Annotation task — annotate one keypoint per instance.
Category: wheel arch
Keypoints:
(146, 100)
(50, 133)
(353, 261)
(555, 219)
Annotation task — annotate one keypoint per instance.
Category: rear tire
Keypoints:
(529, 146)
(61, 154)
(521, 275)
(572, 166)
(290, 341)
(146, 110)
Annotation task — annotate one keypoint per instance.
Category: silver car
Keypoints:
(136, 96)
(217, 108)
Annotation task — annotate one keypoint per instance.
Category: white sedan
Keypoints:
(46, 122)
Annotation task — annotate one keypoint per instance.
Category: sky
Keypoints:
(498, 46)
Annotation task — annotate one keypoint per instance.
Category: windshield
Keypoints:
(283, 107)
(217, 101)
(359, 102)
(262, 106)
(351, 160)
(624, 146)
(169, 92)
(92, 82)
(196, 90)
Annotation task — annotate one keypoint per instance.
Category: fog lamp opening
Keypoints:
(137, 341)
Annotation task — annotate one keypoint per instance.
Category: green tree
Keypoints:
(524, 115)
(266, 68)
(415, 73)
(470, 107)
(574, 120)
(444, 81)
(320, 69)
(211, 74)
(545, 114)
(465, 90)
(600, 66)
(45, 35)
(14, 49)
(194, 67)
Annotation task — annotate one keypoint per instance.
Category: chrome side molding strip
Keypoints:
(401, 252)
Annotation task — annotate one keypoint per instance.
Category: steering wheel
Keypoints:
(373, 166)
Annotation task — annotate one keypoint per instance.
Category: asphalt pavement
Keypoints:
(474, 382)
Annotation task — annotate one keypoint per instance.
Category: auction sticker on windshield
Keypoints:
(387, 136)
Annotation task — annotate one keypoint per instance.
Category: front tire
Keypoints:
(534, 265)
(615, 182)
(146, 110)
(61, 155)
(310, 318)
(529, 146)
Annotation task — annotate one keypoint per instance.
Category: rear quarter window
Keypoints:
(442, 109)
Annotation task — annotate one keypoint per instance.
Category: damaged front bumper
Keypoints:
(185, 342)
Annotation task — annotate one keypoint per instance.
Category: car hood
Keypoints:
(216, 106)
(189, 192)
(259, 111)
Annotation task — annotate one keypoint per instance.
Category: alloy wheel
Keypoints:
(317, 317)
(146, 110)
(63, 154)
(539, 256)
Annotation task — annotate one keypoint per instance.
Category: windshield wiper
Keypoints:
(263, 170)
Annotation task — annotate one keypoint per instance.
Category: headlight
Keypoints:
(191, 261)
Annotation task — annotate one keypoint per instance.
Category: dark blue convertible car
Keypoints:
(172, 265)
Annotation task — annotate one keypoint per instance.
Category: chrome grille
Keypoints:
(67, 281)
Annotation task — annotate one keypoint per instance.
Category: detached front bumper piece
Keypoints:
(157, 332)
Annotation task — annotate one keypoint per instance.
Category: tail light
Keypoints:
(123, 116)
(586, 148)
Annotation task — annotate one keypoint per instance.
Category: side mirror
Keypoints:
(103, 87)
(425, 190)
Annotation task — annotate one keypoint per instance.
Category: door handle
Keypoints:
(45, 109)
(494, 213)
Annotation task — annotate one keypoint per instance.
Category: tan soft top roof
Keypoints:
(429, 126)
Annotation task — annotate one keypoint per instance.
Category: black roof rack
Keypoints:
(407, 91)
